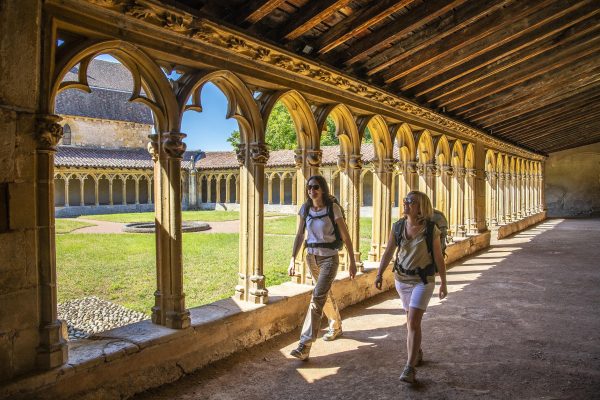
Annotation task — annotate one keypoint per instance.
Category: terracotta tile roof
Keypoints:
(67, 156)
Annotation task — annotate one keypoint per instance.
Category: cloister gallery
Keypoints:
(52, 162)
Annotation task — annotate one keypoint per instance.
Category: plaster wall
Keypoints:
(572, 182)
(107, 134)
(19, 93)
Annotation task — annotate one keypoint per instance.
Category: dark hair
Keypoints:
(324, 189)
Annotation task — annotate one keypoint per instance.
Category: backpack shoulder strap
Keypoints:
(429, 236)
(399, 230)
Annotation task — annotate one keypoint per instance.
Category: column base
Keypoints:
(178, 320)
(52, 351)
(258, 296)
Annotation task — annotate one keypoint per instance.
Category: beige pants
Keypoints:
(323, 270)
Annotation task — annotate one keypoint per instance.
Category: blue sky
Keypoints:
(208, 130)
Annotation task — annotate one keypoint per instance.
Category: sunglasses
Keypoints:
(409, 201)
(313, 187)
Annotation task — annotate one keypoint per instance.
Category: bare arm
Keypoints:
(385, 259)
(297, 243)
(348, 243)
(441, 264)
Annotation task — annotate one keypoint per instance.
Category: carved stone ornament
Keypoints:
(489, 175)
(433, 169)
(420, 169)
(49, 131)
(412, 167)
(314, 158)
(298, 159)
(341, 161)
(153, 147)
(460, 172)
(173, 144)
(355, 161)
(240, 154)
(470, 172)
(160, 15)
(388, 165)
(259, 153)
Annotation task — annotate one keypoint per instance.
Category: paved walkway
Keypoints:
(522, 321)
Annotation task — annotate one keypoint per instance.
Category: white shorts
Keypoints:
(415, 296)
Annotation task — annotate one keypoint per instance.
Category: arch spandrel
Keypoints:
(147, 76)
(240, 103)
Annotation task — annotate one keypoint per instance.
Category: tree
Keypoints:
(235, 139)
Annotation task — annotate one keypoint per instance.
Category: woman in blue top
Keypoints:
(322, 259)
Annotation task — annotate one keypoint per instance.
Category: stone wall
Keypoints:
(572, 182)
(19, 93)
(107, 134)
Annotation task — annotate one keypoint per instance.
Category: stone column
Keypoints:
(519, 208)
(237, 189)
(227, 189)
(470, 201)
(201, 199)
(251, 281)
(294, 189)
(382, 207)
(459, 179)
(110, 189)
(270, 190)
(282, 190)
(157, 316)
(67, 178)
(150, 191)
(209, 189)
(124, 190)
(413, 176)
(500, 198)
(353, 173)
(96, 191)
(175, 314)
(491, 198)
(52, 349)
(137, 190)
(81, 190)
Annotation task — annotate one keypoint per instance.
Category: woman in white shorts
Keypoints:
(414, 270)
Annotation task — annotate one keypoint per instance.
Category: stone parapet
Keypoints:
(100, 367)
(517, 226)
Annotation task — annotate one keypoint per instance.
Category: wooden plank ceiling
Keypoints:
(527, 72)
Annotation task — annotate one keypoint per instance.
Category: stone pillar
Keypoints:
(124, 190)
(459, 179)
(52, 349)
(174, 312)
(413, 176)
(470, 201)
(382, 207)
(157, 315)
(491, 204)
(150, 191)
(518, 183)
(237, 189)
(500, 198)
(353, 174)
(282, 190)
(110, 189)
(96, 191)
(67, 178)
(209, 189)
(137, 190)
(295, 189)
(81, 190)
(270, 190)
(227, 189)
(251, 281)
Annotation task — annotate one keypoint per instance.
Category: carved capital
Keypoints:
(314, 158)
(298, 158)
(240, 154)
(412, 167)
(420, 169)
(490, 175)
(460, 172)
(49, 131)
(387, 165)
(341, 162)
(259, 153)
(433, 169)
(470, 172)
(173, 144)
(153, 147)
(355, 161)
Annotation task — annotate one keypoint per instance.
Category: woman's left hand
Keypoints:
(443, 291)
(352, 270)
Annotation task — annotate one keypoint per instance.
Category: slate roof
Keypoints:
(111, 85)
(110, 158)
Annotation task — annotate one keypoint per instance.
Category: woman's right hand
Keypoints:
(378, 281)
(292, 267)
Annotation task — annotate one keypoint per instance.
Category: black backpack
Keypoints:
(338, 243)
(398, 236)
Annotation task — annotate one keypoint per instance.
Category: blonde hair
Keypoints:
(425, 207)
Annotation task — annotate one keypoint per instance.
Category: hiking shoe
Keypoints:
(408, 375)
(301, 352)
(332, 334)
(419, 358)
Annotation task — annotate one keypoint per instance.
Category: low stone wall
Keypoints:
(101, 367)
(517, 226)
(76, 211)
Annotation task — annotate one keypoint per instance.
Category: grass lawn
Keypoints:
(204, 215)
(66, 225)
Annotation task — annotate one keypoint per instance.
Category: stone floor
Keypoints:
(522, 321)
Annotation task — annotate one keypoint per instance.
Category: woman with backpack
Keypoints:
(417, 239)
(323, 220)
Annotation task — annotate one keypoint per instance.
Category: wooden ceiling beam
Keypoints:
(549, 119)
(483, 37)
(432, 34)
(358, 23)
(311, 15)
(565, 57)
(541, 85)
(543, 113)
(558, 146)
(256, 10)
(413, 20)
(526, 102)
(506, 58)
(589, 121)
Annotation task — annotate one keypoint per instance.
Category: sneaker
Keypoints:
(301, 352)
(420, 357)
(332, 334)
(408, 375)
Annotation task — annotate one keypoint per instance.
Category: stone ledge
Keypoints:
(101, 367)
(517, 226)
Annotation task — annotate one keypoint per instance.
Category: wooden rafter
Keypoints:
(311, 15)
(358, 23)
(256, 10)
(397, 29)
